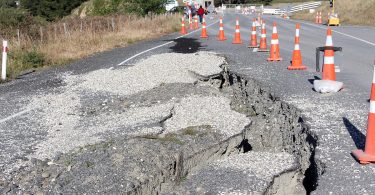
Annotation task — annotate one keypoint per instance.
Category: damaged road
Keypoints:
(160, 126)
(289, 139)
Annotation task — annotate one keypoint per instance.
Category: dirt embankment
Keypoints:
(352, 12)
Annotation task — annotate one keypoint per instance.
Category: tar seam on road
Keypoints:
(14, 115)
(145, 51)
(353, 37)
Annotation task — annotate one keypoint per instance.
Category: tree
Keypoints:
(143, 7)
(50, 9)
(8, 4)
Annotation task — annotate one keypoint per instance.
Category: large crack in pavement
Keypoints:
(181, 126)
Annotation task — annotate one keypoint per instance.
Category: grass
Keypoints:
(89, 164)
(352, 12)
(170, 137)
(291, 1)
(55, 45)
(195, 130)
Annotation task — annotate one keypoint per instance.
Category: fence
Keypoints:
(53, 31)
(35, 46)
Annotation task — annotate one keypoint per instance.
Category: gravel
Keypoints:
(239, 174)
(152, 72)
(253, 163)
(63, 113)
(214, 111)
(100, 132)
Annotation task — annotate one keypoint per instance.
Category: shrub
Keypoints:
(50, 10)
(33, 59)
(10, 17)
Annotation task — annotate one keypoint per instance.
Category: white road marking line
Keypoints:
(14, 115)
(145, 51)
(350, 36)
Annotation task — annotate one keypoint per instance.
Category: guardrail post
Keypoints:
(4, 60)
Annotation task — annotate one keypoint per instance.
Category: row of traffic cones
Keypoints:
(365, 156)
(192, 26)
(296, 62)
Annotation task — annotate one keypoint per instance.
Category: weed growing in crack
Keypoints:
(196, 130)
(190, 131)
(170, 137)
(68, 161)
(89, 164)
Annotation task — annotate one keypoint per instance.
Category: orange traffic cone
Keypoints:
(204, 30)
(320, 18)
(275, 49)
(196, 26)
(221, 36)
(263, 39)
(191, 22)
(296, 63)
(317, 18)
(253, 42)
(183, 29)
(329, 59)
(368, 155)
(237, 35)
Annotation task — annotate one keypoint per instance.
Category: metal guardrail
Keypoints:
(242, 5)
(296, 8)
(260, 8)
(305, 6)
(279, 12)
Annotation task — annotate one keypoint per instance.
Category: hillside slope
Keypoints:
(354, 12)
(105, 7)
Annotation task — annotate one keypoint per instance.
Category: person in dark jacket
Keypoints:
(200, 14)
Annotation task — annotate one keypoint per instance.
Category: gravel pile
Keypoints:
(153, 72)
(213, 111)
(71, 123)
(252, 163)
(239, 174)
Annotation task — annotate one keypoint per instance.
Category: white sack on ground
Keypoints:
(327, 86)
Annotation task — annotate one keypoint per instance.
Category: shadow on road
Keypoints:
(357, 136)
(311, 81)
(186, 45)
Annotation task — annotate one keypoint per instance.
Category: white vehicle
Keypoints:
(171, 4)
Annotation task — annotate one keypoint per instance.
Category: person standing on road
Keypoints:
(188, 12)
(200, 14)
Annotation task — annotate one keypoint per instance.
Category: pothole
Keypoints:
(275, 152)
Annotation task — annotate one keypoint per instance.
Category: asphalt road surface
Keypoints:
(339, 120)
